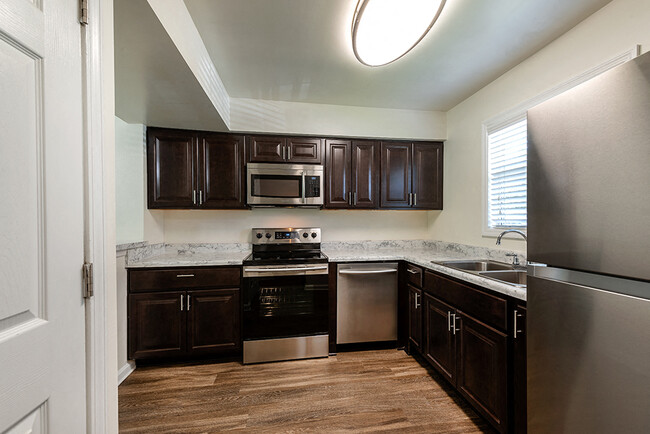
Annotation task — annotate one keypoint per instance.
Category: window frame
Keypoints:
(519, 111)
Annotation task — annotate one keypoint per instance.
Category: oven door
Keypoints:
(282, 302)
(284, 184)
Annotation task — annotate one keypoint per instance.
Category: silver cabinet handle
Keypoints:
(181, 302)
(288, 152)
(412, 271)
(284, 152)
(448, 321)
(355, 198)
(410, 199)
(516, 315)
(194, 197)
(417, 305)
(188, 301)
(268, 270)
(200, 197)
(185, 275)
(389, 270)
(415, 199)
(454, 329)
(349, 198)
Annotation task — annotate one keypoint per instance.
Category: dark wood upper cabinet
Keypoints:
(483, 368)
(337, 179)
(213, 321)
(304, 150)
(352, 174)
(192, 169)
(365, 174)
(266, 149)
(411, 175)
(279, 149)
(222, 171)
(171, 168)
(427, 175)
(396, 174)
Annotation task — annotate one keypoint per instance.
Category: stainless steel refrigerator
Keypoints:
(589, 220)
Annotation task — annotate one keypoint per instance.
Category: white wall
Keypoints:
(252, 115)
(129, 181)
(614, 29)
(199, 226)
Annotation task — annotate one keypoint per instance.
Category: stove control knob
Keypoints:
(314, 234)
(258, 235)
(305, 234)
(268, 235)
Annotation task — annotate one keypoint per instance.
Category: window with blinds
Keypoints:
(507, 161)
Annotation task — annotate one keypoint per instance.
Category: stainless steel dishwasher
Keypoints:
(366, 306)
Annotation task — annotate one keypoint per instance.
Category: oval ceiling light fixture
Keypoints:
(385, 30)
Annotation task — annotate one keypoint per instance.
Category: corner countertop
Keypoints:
(417, 252)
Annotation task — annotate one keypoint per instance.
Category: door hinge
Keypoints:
(88, 280)
(83, 12)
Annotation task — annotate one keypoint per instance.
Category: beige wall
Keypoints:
(235, 226)
(614, 29)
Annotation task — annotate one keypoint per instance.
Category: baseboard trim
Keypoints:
(125, 371)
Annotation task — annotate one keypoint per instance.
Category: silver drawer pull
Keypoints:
(185, 275)
(412, 271)
(390, 270)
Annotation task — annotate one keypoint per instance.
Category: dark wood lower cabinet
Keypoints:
(440, 344)
(519, 400)
(213, 322)
(156, 326)
(179, 312)
(483, 368)
(415, 318)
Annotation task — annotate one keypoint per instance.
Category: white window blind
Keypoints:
(507, 161)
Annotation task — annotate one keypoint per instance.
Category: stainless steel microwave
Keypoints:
(284, 184)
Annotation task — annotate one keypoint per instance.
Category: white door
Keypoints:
(42, 362)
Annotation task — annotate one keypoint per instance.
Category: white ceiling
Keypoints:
(300, 50)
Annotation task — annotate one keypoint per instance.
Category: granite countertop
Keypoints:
(417, 252)
(423, 258)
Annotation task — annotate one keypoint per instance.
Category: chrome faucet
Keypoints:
(510, 230)
(515, 258)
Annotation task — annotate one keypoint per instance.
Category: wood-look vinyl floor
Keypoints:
(366, 391)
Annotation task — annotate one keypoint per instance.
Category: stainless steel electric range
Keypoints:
(285, 290)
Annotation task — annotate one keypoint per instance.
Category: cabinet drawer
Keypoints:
(182, 278)
(414, 275)
(481, 305)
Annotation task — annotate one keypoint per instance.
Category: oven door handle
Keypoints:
(387, 270)
(269, 270)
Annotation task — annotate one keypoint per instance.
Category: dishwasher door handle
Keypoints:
(387, 270)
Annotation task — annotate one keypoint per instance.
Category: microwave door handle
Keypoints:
(303, 188)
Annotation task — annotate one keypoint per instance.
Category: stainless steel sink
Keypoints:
(495, 270)
(514, 277)
(477, 265)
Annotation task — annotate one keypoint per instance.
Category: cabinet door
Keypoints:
(427, 175)
(157, 325)
(365, 174)
(222, 171)
(519, 371)
(395, 174)
(415, 317)
(440, 342)
(337, 194)
(171, 168)
(213, 321)
(304, 150)
(266, 149)
(483, 369)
